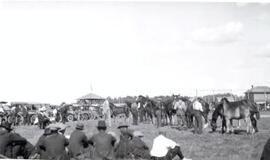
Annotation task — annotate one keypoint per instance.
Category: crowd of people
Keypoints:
(53, 144)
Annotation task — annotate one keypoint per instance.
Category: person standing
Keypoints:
(64, 112)
(159, 114)
(103, 143)
(197, 112)
(135, 114)
(54, 145)
(164, 148)
(107, 112)
(77, 142)
(181, 108)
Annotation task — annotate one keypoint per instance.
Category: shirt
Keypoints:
(197, 106)
(161, 146)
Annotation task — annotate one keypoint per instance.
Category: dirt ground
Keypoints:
(208, 146)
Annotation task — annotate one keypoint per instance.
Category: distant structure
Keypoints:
(91, 99)
(258, 94)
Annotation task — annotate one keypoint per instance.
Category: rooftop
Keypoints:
(259, 89)
(91, 96)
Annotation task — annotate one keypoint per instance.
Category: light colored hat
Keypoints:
(138, 134)
(79, 126)
(57, 126)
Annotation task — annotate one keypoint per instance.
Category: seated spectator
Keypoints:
(103, 143)
(137, 148)
(126, 135)
(77, 142)
(165, 149)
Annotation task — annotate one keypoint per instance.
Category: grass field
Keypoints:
(208, 146)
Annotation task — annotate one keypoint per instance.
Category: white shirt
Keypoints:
(2, 110)
(197, 106)
(161, 146)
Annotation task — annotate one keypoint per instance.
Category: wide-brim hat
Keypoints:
(101, 124)
(122, 125)
(79, 126)
(57, 126)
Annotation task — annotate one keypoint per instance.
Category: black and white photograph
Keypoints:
(134, 80)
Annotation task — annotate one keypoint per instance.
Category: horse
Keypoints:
(122, 110)
(168, 109)
(147, 108)
(218, 112)
(238, 110)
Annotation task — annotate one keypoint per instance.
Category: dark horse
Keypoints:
(147, 108)
(168, 110)
(229, 111)
(121, 110)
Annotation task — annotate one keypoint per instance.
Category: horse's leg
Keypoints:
(254, 123)
(232, 128)
(239, 124)
(228, 124)
(248, 123)
(224, 126)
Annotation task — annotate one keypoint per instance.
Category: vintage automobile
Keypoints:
(83, 112)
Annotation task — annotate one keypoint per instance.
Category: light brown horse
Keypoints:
(243, 109)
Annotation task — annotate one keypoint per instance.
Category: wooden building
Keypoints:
(258, 94)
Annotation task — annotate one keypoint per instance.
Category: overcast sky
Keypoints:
(54, 52)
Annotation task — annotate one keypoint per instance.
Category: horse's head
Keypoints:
(224, 99)
(216, 113)
(140, 99)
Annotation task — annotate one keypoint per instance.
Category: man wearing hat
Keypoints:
(37, 151)
(197, 112)
(137, 148)
(103, 143)
(54, 145)
(134, 112)
(125, 136)
(77, 142)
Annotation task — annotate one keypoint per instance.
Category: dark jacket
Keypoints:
(122, 148)
(54, 146)
(8, 140)
(138, 148)
(38, 150)
(4, 141)
(77, 143)
(103, 146)
(266, 151)
(16, 147)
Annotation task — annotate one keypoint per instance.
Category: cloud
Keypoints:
(241, 4)
(264, 17)
(227, 33)
(264, 52)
